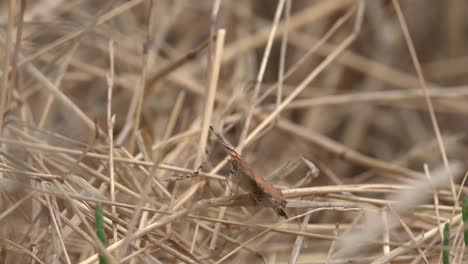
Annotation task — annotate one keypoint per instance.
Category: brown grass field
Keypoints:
(354, 109)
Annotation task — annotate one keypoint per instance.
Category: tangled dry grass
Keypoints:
(107, 104)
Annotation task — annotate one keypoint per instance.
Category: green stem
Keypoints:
(446, 250)
(465, 219)
(100, 231)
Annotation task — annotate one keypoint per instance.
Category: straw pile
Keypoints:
(354, 109)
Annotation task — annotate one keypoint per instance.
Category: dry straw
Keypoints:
(353, 112)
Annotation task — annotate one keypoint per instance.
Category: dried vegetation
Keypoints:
(107, 104)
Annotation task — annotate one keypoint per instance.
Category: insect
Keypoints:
(261, 190)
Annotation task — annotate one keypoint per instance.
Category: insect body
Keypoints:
(261, 190)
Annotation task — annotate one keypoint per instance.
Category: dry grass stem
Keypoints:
(430, 106)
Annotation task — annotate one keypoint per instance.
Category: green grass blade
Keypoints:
(100, 231)
(465, 219)
(446, 250)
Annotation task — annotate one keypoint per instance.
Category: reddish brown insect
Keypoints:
(261, 190)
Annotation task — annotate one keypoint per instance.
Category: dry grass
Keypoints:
(110, 103)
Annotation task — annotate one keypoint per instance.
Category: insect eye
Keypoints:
(233, 167)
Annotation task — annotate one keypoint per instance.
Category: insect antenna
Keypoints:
(221, 139)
